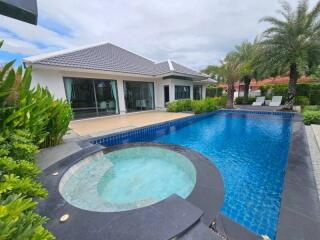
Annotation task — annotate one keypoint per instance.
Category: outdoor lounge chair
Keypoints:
(276, 101)
(259, 101)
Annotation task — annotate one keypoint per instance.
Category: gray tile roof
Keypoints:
(108, 57)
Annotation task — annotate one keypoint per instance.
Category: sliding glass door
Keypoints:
(139, 96)
(91, 97)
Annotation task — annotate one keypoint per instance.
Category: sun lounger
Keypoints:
(259, 101)
(276, 101)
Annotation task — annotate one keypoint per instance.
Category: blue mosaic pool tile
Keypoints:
(145, 134)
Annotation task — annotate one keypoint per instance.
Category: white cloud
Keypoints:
(193, 32)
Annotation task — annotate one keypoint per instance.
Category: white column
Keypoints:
(122, 105)
(191, 92)
(171, 91)
(204, 87)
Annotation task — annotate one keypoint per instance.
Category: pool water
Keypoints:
(127, 179)
(251, 152)
(146, 174)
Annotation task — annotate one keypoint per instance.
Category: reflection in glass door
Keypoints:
(91, 97)
(139, 96)
(106, 93)
(80, 94)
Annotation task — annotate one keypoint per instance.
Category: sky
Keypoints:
(195, 33)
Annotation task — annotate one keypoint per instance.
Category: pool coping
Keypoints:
(293, 222)
(97, 224)
(299, 216)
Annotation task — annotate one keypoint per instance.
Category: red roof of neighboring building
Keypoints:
(254, 85)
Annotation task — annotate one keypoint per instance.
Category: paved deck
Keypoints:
(313, 134)
(106, 125)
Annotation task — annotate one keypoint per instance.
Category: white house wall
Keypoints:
(54, 81)
(50, 79)
(178, 82)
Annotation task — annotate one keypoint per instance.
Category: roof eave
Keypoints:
(194, 77)
(85, 70)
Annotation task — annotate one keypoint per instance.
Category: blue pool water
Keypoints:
(250, 151)
(127, 179)
(145, 175)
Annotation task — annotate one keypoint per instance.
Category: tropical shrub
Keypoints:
(202, 106)
(240, 100)
(302, 101)
(18, 188)
(181, 105)
(36, 110)
(197, 106)
(25, 118)
(314, 94)
(311, 117)
(18, 220)
(220, 102)
(205, 105)
(214, 91)
(312, 108)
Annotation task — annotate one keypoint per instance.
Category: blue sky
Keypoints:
(192, 32)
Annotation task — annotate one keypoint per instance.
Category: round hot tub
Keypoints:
(127, 179)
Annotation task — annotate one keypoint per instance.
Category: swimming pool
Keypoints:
(250, 151)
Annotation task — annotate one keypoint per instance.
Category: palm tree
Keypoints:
(290, 42)
(230, 72)
(214, 72)
(246, 54)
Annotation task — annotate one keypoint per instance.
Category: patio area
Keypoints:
(105, 125)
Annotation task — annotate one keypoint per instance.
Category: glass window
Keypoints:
(197, 92)
(92, 97)
(139, 96)
(182, 92)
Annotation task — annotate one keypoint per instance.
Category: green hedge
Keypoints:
(264, 90)
(205, 105)
(311, 117)
(214, 91)
(302, 101)
(240, 100)
(197, 106)
(181, 105)
(311, 108)
(310, 91)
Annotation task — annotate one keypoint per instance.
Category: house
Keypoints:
(105, 79)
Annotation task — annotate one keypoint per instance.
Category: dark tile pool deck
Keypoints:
(299, 213)
(163, 220)
(300, 209)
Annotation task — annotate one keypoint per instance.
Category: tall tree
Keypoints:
(230, 71)
(288, 44)
(214, 72)
(246, 54)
